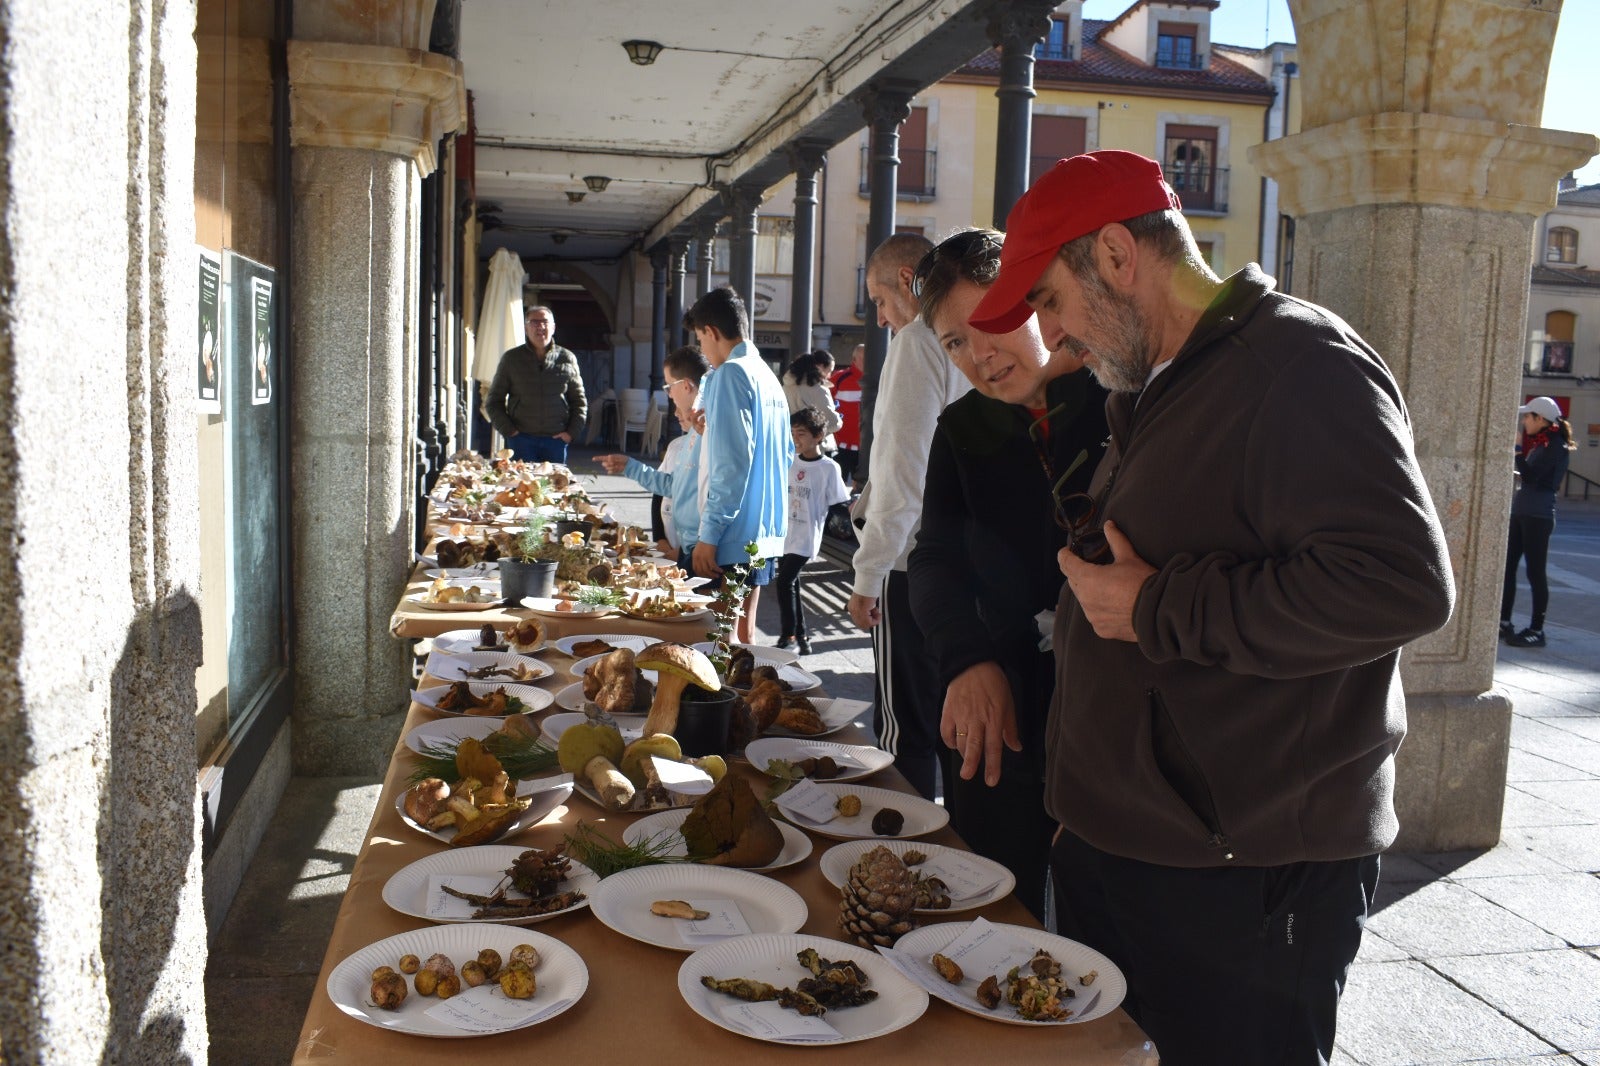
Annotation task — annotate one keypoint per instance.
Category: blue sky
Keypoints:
(1254, 23)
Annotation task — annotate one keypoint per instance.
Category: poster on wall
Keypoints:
(261, 341)
(208, 368)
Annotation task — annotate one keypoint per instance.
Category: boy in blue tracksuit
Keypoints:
(745, 450)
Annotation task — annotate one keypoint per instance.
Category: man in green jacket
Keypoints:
(536, 400)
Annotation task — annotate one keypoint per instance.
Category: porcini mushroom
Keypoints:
(677, 666)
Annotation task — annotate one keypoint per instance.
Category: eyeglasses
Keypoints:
(968, 249)
(1079, 516)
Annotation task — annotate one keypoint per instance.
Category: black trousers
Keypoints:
(1274, 942)
(909, 698)
(791, 615)
(1529, 539)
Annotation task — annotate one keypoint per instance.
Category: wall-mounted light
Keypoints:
(574, 196)
(597, 182)
(642, 52)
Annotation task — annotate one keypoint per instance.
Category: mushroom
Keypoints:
(676, 666)
(426, 799)
(590, 751)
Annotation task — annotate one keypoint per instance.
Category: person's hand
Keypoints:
(1107, 593)
(705, 560)
(864, 610)
(665, 548)
(614, 464)
(565, 438)
(514, 433)
(700, 421)
(979, 716)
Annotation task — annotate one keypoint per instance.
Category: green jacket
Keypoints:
(541, 397)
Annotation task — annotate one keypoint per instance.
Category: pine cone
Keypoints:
(879, 896)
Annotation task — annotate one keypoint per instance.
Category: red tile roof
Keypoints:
(1101, 64)
(1583, 278)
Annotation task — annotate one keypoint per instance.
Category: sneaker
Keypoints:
(802, 645)
(1507, 630)
(1528, 638)
(784, 642)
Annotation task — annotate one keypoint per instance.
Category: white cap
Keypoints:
(1544, 407)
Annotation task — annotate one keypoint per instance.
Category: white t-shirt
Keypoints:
(814, 486)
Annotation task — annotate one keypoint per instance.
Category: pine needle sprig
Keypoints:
(520, 757)
(606, 857)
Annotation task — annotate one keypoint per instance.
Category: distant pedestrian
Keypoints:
(536, 399)
(847, 397)
(1541, 467)
(815, 484)
(807, 384)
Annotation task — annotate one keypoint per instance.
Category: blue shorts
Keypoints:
(761, 575)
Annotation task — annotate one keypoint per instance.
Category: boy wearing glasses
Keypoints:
(1228, 701)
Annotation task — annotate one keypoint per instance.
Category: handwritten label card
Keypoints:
(962, 876)
(726, 919)
(810, 801)
(680, 777)
(485, 1009)
(842, 755)
(984, 950)
(771, 1022)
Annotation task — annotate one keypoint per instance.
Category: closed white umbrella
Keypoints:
(500, 321)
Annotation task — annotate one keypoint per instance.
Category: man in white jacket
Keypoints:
(918, 382)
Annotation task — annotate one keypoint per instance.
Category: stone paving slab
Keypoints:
(1526, 766)
(1523, 809)
(1576, 847)
(1508, 860)
(1580, 797)
(1445, 918)
(1554, 993)
(1542, 737)
(1565, 904)
(1404, 1013)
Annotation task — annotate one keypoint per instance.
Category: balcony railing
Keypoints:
(861, 292)
(1200, 188)
(1169, 60)
(916, 174)
(1557, 358)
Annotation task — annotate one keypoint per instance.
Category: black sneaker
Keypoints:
(1507, 630)
(1528, 638)
(802, 645)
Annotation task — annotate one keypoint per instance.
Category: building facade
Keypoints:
(1563, 355)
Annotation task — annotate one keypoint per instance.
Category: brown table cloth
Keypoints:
(632, 1011)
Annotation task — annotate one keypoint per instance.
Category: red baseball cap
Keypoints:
(1075, 197)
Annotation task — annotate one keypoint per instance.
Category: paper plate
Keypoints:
(632, 641)
(561, 975)
(919, 945)
(552, 608)
(631, 726)
(547, 793)
(622, 901)
(447, 666)
(416, 599)
(836, 862)
(535, 699)
(582, 666)
(763, 653)
(764, 749)
(796, 845)
(835, 715)
(461, 641)
(771, 958)
(921, 816)
(451, 731)
(408, 890)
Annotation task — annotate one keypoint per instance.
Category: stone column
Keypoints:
(1415, 195)
(705, 254)
(742, 202)
(659, 256)
(806, 158)
(365, 121)
(677, 273)
(886, 106)
(1015, 28)
(101, 910)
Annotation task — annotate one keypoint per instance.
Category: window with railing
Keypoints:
(917, 173)
(1054, 137)
(1560, 327)
(1190, 163)
(1561, 245)
(1056, 45)
(862, 303)
(1176, 48)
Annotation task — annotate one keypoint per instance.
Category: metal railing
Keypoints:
(861, 292)
(1167, 59)
(915, 175)
(1566, 486)
(1201, 188)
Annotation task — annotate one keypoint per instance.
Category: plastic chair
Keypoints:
(634, 410)
(651, 446)
(597, 414)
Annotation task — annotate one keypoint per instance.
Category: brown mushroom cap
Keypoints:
(680, 660)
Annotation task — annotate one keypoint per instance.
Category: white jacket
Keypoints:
(919, 381)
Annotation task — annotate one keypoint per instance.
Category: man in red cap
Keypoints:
(1228, 701)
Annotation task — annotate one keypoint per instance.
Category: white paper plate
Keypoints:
(536, 699)
(581, 667)
(922, 816)
(630, 726)
(800, 681)
(448, 666)
(478, 574)
(632, 641)
(547, 793)
(835, 715)
(416, 599)
(764, 749)
(549, 608)
(561, 975)
(796, 845)
(622, 901)
(572, 698)
(694, 614)
(771, 958)
(463, 641)
(763, 653)
(679, 801)
(451, 731)
(1075, 958)
(836, 862)
(407, 890)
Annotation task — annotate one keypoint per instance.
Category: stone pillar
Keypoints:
(886, 106)
(742, 202)
(1015, 28)
(365, 121)
(807, 159)
(101, 910)
(705, 254)
(1415, 196)
(677, 273)
(659, 256)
